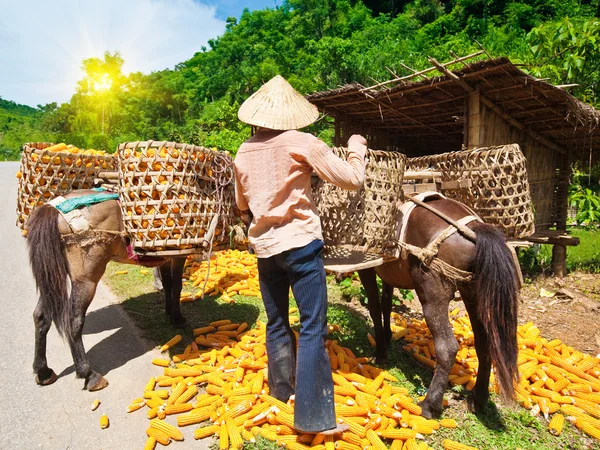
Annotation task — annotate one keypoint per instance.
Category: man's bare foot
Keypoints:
(340, 428)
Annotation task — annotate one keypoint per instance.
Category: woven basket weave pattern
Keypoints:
(47, 174)
(171, 192)
(500, 188)
(363, 220)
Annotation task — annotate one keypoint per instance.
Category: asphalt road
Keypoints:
(59, 416)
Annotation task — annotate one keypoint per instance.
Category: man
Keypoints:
(273, 171)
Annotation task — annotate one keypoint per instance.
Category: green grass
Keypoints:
(502, 428)
(584, 257)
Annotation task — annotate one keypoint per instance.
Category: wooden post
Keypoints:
(473, 120)
(559, 260)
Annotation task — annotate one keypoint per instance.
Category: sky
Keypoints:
(43, 42)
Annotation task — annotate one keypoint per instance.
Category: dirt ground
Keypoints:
(567, 309)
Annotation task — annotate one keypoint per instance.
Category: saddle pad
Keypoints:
(68, 205)
(407, 208)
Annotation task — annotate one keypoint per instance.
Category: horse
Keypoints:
(490, 298)
(56, 257)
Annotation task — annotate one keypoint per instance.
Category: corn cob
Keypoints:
(150, 443)
(204, 432)
(588, 428)
(171, 342)
(160, 436)
(169, 429)
(187, 395)
(452, 445)
(556, 424)
(401, 433)
(448, 423)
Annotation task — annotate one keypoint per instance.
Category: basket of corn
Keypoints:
(364, 220)
(49, 170)
(175, 198)
(499, 187)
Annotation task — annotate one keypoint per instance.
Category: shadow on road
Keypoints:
(115, 350)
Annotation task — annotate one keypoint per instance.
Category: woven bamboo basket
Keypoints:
(175, 197)
(499, 190)
(363, 220)
(48, 174)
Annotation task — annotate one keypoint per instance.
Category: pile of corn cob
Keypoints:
(554, 379)
(232, 272)
(236, 405)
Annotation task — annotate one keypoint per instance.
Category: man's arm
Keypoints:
(345, 174)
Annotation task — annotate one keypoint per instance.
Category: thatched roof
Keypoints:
(429, 114)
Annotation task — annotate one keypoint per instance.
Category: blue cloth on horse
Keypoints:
(86, 200)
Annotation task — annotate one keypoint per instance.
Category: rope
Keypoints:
(90, 237)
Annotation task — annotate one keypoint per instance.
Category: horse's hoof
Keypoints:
(474, 406)
(46, 379)
(99, 382)
(178, 322)
(428, 411)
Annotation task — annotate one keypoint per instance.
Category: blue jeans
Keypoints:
(309, 376)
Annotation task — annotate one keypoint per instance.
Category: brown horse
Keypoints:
(55, 258)
(490, 299)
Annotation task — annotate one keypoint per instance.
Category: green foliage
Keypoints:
(583, 257)
(587, 203)
(316, 45)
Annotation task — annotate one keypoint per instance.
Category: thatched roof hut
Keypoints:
(486, 103)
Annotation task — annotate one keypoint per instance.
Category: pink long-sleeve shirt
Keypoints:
(272, 179)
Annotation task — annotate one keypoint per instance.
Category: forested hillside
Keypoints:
(315, 44)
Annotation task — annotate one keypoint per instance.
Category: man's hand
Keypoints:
(358, 139)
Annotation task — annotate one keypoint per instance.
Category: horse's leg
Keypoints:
(435, 294)
(82, 294)
(43, 374)
(387, 293)
(478, 399)
(171, 274)
(368, 278)
(167, 282)
(177, 266)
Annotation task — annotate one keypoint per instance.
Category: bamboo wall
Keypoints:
(548, 170)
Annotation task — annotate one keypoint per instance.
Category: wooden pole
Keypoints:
(493, 107)
(559, 260)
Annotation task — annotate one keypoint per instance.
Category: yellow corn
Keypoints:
(235, 437)
(104, 421)
(448, 423)
(588, 428)
(169, 429)
(150, 443)
(204, 432)
(161, 362)
(453, 445)
(375, 441)
(278, 403)
(171, 342)
(160, 436)
(187, 395)
(355, 428)
(194, 416)
(135, 406)
(400, 433)
(95, 405)
(178, 409)
(176, 393)
(556, 424)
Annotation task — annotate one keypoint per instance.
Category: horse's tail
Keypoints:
(497, 288)
(50, 266)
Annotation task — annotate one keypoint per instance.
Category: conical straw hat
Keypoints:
(278, 106)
